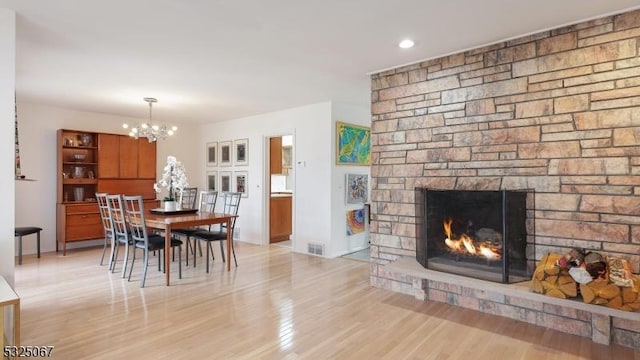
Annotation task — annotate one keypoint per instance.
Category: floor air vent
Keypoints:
(316, 249)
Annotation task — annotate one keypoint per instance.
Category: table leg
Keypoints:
(167, 250)
(229, 240)
(16, 323)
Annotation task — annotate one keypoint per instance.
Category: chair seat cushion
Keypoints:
(210, 235)
(156, 240)
(26, 230)
(155, 243)
(123, 240)
(185, 232)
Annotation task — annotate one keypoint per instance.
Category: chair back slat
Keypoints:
(118, 217)
(105, 214)
(188, 197)
(208, 200)
(134, 209)
(231, 204)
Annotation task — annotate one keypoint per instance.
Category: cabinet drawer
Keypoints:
(83, 232)
(82, 208)
(84, 219)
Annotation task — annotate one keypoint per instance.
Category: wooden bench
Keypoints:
(23, 231)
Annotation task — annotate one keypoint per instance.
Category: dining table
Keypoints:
(168, 220)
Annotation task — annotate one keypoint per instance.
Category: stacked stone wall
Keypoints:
(557, 112)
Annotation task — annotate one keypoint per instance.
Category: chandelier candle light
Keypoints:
(149, 130)
(174, 178)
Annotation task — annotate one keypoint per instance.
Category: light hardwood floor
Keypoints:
(275, 305)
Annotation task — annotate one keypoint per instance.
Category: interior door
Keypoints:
(280, 189)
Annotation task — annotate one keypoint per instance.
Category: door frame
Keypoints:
(267, 188)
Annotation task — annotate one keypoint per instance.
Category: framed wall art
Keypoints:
(355, 221)
(225, 153)
(212, 180)
(353, 144)
(225, 181)
(241, 152)
(357, 188)
(240, 182)
(212, 153)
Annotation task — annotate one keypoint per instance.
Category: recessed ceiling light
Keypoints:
(405, 44)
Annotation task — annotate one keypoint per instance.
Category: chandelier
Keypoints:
(150, 130)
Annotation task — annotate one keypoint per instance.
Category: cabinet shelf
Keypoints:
(78, 163)
(80, 147)
(81, 181)
(80, 202)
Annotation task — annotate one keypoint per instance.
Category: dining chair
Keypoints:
(107, 224)
(134, 208)
(207, 203)
(121, 234)
(231, 204)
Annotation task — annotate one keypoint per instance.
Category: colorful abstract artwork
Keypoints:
(355, 221)
(354, 144)
(357, 188)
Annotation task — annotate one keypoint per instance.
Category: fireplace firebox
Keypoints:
(479, 234)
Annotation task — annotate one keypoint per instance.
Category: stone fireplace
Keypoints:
(479, 234)
(556, 112)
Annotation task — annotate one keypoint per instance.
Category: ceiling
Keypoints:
(215, 60)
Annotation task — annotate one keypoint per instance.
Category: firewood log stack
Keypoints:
(609, 283)
(606, 292)
(552, 280)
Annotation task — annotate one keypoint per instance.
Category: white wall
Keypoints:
(7, 139)
(319, 196)
(184, 146)
(342, 243)
(311, 127)
(7, 159)
(37, 125)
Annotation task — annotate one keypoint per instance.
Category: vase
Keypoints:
(78, 194)
(170, 205)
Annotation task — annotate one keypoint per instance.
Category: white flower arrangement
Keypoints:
(173, 177)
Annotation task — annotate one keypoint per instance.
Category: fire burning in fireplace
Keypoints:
(485, 234)
(485, 242)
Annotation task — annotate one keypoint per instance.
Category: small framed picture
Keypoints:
(241, 152)
(241, 181)
(212, 153)
(212, 180)
(225, 181)
(225, 153)
(357, 188)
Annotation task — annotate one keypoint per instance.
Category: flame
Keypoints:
(447, 227)
(488, 253)
(465, 244)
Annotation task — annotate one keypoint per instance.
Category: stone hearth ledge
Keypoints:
(603, 324)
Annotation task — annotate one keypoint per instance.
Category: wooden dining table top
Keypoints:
(185, 220)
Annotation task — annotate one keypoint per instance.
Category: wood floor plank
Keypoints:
(275, 305)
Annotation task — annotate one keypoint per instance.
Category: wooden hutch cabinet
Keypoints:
(91, 162)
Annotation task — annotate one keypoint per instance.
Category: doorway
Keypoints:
(281, 185)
